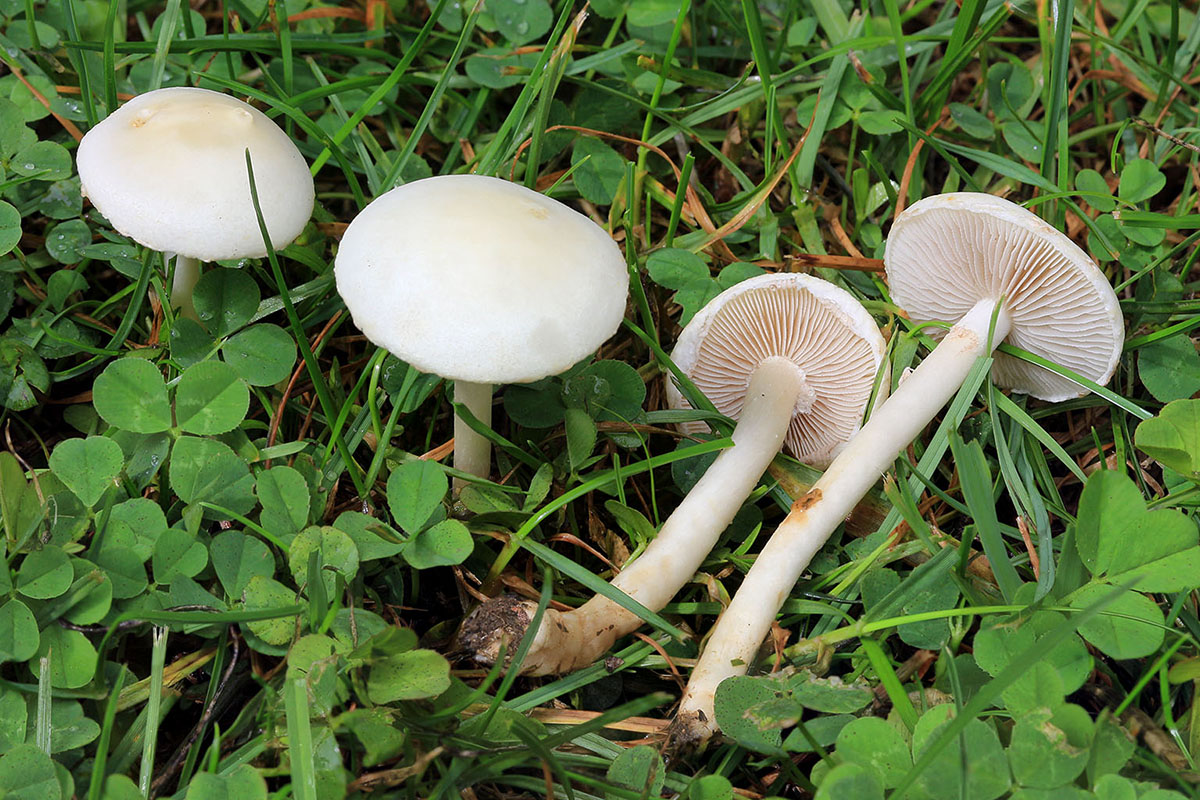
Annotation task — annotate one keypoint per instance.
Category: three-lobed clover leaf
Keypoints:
(1173, 437)
(414, 491)
(88, 466)
(1121, 542)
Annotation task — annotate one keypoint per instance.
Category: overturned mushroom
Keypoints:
(1001, 273)
(791, 357)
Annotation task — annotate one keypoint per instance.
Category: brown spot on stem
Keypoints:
(807, 501)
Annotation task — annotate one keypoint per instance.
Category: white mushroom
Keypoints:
(481, 281)
(787, 356)
(998, 271)
(168, 170)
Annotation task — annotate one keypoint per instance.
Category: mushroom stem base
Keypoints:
(815, 515)
(571, 640)
(472, 452)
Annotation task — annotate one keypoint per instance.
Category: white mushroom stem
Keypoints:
(187, 274)
(570, 640)
(472, 452)
(893, 425)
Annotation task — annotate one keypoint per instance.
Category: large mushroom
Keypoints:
(168, 170)
(793, 358)
(480, 281)
(999, 273)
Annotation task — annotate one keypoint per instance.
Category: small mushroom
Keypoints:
(793, 358)
(168, 170)
(480, 281)
(819, 327)
(999, 272)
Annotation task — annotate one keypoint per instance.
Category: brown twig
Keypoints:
(906, 179)
(1033, 556)
(836, 262)
(68, 126)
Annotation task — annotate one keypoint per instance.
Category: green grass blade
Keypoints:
(568, 567)
(110, 56)
(1093, 387)
(79, 61)
(890, 682)
(43, 723)
(592, 483)
(961, 50)
(802, 169)
(976, 481)
(431, 105)
(310, 361)
(100, 766)
(1021, 417)
(169, 20)
(381, 88)
(1055, 164)
(501, 148)
(158, 659)
(300, 740)
(555, 69)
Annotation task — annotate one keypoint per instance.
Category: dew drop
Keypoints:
(30, 165)
(522, 28)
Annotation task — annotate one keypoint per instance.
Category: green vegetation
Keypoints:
(229, 571)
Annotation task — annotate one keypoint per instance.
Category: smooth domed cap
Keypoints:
(168, 170)
(479, 279)
(822, 329)
(947, 252)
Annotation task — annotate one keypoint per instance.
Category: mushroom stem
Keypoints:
(187, 274)
(570, 640)
(472, 452)
(814, 516)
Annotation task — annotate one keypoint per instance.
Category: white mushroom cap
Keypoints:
(479, 279)
(168, 169)
(947, 252)
(818, 326)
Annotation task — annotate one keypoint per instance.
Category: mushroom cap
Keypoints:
(168, 170)
(479, 279)
(947, 252)
(818, 326)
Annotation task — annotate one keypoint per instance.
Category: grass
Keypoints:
(307, 644)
